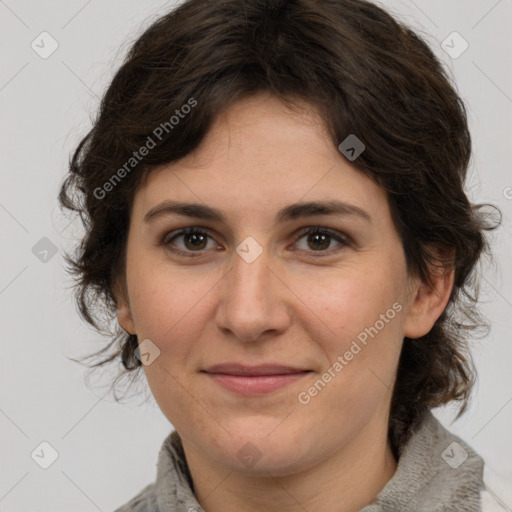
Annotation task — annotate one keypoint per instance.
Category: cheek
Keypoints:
(166, 302)
(360, 353)
(169, 308)
(348, 304)
(360, 335)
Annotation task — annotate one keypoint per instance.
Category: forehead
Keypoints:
(259, 157)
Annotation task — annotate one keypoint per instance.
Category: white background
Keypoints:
(107, 451)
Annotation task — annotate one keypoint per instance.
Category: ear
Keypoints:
(428, 302)
(124, 313)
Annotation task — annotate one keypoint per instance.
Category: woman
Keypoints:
(273, 196)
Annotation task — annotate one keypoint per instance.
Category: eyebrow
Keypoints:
(288, 213)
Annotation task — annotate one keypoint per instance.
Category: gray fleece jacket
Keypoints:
(436, 472)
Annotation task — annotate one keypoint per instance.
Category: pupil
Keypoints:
(195, 237)
(324, 237)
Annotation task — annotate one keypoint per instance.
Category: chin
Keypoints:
(263, 461)
(265, 446)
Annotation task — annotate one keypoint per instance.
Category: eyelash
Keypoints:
(344, 240)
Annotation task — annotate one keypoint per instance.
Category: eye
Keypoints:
(194, 240)
(320, 238)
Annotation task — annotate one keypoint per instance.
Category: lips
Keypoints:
(254, 380)
(259, 370)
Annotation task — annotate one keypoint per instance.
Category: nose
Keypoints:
(254, 300)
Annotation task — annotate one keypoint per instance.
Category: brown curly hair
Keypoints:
(366, 74)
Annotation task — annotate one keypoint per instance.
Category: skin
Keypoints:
(291, 305)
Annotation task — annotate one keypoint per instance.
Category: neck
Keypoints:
(346, 481)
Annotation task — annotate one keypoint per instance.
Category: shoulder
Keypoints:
(172, 488)
(144, 501)
(496, 495)
(495, 490)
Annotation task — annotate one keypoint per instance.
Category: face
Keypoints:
(327, 311)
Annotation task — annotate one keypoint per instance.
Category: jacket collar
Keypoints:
(437, 471)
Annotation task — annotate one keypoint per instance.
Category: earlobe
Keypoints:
(428, 304)
(124, 314)
(124, 317)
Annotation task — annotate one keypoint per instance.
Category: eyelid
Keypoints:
(337, 235)
(343, 239)
(171, 235)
